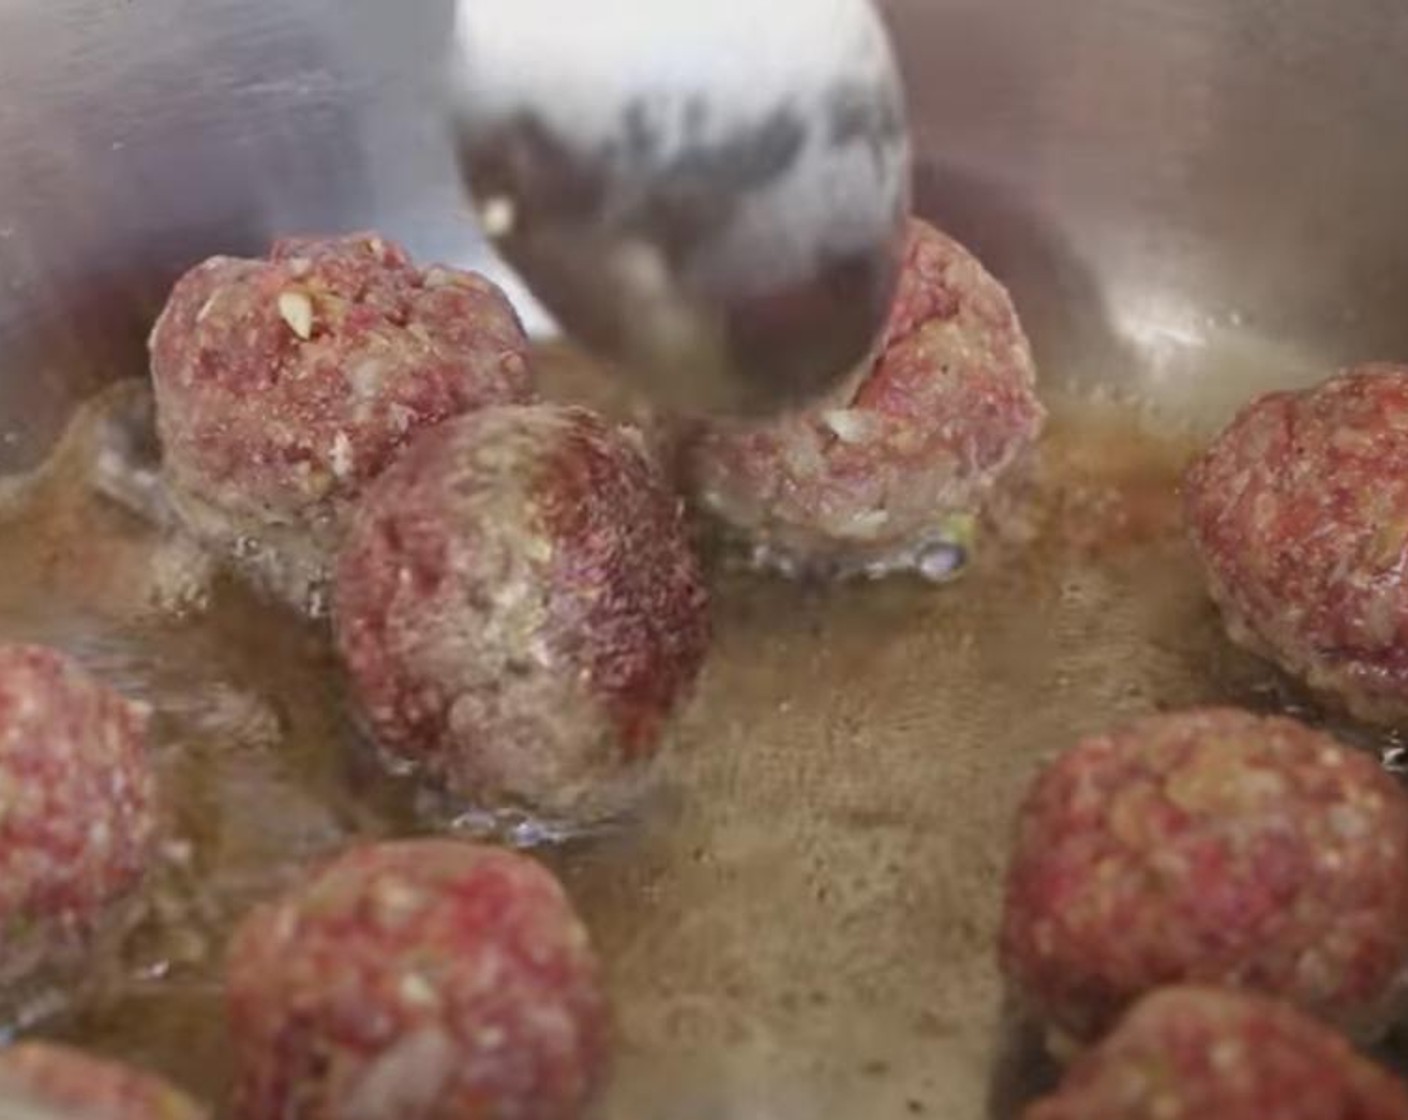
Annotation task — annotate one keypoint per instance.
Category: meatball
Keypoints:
(520, 610)
(1201, 1053)
(417, 980)
(888, 474)
(1214, 847)
(78, 816)
(73, 1085)
(284, 385)
(1299, 512)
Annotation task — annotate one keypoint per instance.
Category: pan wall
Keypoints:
(1188, 199)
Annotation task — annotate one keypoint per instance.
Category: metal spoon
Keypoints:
(710, 194)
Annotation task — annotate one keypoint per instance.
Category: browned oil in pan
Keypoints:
(800, 922)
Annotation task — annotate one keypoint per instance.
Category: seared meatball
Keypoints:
(887, 474)
(1212, 847)
(78, 816)
(417, 980)
(1299, 511)
(1207, 1054)
(284, 385)
(520, 610)
(71, 1085)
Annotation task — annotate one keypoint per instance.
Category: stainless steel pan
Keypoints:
(1190, 202)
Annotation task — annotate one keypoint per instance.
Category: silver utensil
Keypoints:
(710, 195)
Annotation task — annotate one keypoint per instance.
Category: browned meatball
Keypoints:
(888, 474)
(521, 611)
(78, 815)
(1299, 511)
(67, 1084)
(1212, 847)
(417, 980)
(284, 385)
(1208, 1054)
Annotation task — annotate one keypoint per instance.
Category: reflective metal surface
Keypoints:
(1189, 202)
(1190, 198)
(139, 137)
(1162, 185)
(712, 196)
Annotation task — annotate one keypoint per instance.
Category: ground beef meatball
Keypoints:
(1299, 511)
(67, 1084)
(888, 474)
(284, 385)
(520, 610)
(78, 817)
(1210, 1054)
(1210, 847)
(417, 980)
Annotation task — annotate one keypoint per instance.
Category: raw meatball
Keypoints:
(77, 1086)
(284, 386)
(1212, 847)
(1205, 1054)
(1299, 511)
(417, 980)
(889, 474)
(520, 610)
(78, 818)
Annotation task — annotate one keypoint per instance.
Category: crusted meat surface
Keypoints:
(520, 609)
